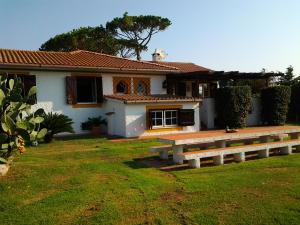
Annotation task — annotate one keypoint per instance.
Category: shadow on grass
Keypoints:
(169, 166)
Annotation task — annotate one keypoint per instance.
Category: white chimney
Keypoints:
(158, 55)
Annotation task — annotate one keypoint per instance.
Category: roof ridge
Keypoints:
(36, 51)
(117, 57)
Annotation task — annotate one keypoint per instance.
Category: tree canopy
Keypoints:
(95, 39)
(135, 32)
(287, 78)
(126, 36)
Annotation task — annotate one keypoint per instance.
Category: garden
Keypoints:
(90, 180)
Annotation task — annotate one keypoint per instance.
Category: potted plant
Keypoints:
(94, 124)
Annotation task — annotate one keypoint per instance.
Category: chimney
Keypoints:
(158, 55)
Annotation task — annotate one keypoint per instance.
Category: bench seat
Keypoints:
(238, 151)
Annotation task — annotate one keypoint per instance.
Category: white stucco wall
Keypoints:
(116, 121)
(136, 119)
(51, 96)
(254, 118)
(207, 112)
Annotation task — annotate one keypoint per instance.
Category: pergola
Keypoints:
(177, 83)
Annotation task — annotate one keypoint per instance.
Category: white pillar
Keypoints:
(218, 160)
(221, 144)
(163, 154)
(177, 149)
(264, 153)
(286, 150)
(239, 157)
(194, 163)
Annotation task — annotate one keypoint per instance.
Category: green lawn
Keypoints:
(95, 181)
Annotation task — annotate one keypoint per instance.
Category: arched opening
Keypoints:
(141, 88)
(122, 88)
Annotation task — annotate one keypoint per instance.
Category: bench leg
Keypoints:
(218, 160)
(265, 139)
(221, 144)
(239, 157)
(264, 153)
(163, 154)
(286, 150)
(194, 163)
(177, 150)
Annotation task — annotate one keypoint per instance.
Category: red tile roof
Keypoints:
(185, 67)
(133, 98)
(75, 59)
(87, 60)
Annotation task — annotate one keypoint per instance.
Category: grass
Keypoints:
(95, 181)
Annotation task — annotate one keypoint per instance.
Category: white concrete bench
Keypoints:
(162, 150)
(238, 152)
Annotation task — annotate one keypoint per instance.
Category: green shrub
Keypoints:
(232, 106)
(275, 104)
(294, 110)
(93, 122)
(55, 124)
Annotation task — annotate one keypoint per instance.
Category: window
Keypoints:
(86, 90)
(122, 88)
(28, 81)
(141, 88)
(164, 118)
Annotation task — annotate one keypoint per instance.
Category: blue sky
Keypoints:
(219, 34)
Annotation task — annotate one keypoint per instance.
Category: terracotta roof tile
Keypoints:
(132, 98)
(185, 67)
(80, 58)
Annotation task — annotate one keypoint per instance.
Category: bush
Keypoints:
(275, 104)
(232, 106)
(93, 122)
(55, 124)
(294, 111)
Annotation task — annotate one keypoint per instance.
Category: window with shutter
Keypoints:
(186, 117)
(84, 90)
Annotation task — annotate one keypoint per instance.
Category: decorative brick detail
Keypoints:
(125, 80)
(144, 81)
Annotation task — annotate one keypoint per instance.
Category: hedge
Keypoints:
(294, 111)
(232, 106)
(275, 104)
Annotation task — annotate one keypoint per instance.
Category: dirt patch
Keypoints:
(92, 209)
(40, 196)
(276, 169)
(252, 191)
(173, 196)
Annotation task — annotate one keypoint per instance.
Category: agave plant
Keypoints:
(18, 123)
(56, 123)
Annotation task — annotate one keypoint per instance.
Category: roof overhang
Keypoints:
(38, 67)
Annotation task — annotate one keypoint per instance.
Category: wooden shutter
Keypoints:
(71, 90)
(181, 89)
(195, 90)
(99, 89)
(149, 119)
(28, 82)
(186, 117)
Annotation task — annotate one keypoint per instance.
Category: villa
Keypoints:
(136, 97)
